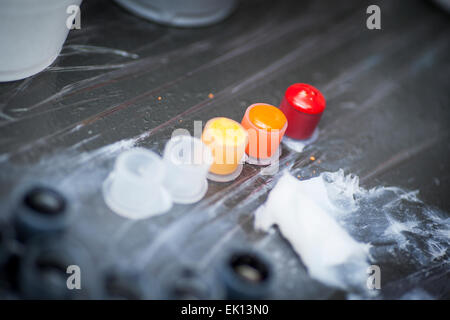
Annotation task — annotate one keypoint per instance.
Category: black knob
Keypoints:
(47, 266)
(246, 274)
(45, 201)
(42, 212)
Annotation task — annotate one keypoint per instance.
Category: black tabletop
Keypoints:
(122, 81)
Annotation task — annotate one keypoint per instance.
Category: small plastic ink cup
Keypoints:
(181, 13)
(187, 160)
(227, 140)
(265, 125)
(303, 106)
(32, 34)
(134, 189)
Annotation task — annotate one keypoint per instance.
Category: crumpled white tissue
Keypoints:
(303, 212)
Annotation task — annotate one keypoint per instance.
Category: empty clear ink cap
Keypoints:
(134, 189)
(187, 160)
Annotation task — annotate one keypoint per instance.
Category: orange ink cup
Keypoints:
(265, 125)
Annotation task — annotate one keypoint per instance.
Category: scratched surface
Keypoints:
(387, 120)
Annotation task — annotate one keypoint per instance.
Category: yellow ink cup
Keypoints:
(227, 140)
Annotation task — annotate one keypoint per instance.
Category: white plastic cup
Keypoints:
(182, 13)
(187, 160)
(134, 189)
(32, 34)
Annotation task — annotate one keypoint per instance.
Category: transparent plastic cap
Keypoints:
(187, 160)
(134, 189)
(299, 145)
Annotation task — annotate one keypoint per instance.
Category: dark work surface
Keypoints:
(387, 120)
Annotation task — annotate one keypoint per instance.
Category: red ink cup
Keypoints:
(303, 106)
